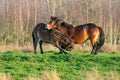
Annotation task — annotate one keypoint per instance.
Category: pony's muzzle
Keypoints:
(48, 26)
(69, 48)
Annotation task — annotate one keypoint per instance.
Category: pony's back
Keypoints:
(41, 32)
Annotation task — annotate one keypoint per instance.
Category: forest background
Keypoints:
(18, 18)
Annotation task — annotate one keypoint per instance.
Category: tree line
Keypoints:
(18, 17)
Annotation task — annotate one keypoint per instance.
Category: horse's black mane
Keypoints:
(67, 25)
(88, 24)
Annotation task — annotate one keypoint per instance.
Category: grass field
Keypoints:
(75, 65)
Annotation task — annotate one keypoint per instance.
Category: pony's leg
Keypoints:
(94, 41)
(41, 49)
(98, 40)
(61, 50)
(35, 40)
(94, 50)
(35, 45)
(94, 46)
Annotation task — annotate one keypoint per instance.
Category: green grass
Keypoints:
(71, 66)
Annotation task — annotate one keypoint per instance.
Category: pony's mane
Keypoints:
(67, 25)
(87, 24)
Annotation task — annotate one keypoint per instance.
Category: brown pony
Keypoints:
(42, 34)
(79, 33)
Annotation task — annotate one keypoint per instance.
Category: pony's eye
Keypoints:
(65, 40)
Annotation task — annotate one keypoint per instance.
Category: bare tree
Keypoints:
(24, 14)
(20, 16)
(111, 21)
(28, 14)
(35, 4)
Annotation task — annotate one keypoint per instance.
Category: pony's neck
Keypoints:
(68, 28)
(71, 31)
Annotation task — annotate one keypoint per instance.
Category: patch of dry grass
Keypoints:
(112, 76)
(5, 77)
(95, 75)
(110, 48)
(53, 75)
(46, 47)
(50, 75)
(25, 48)
(46, 75)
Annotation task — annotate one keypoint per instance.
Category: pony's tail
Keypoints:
(33, 37)
(34, 43)
(101, 37)
(33, 33)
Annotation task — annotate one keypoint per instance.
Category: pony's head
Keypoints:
(54, 22)
(67, 44)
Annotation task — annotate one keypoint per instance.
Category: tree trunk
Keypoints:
(35, 3)
(111, 22)
(28, 14)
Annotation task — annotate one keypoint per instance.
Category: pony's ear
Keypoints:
(63, 46)
(51, 17)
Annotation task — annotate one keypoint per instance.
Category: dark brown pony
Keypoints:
(79, 33)
(42, 34)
